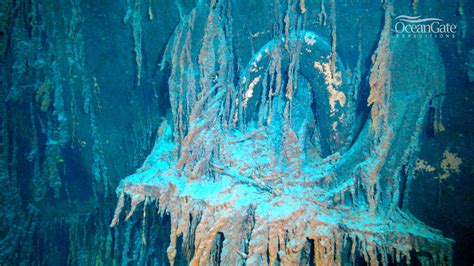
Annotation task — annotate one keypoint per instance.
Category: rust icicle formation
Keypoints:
(134, 14)
(273, 178)
(379, 76)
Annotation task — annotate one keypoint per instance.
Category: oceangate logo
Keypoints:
(418, 27)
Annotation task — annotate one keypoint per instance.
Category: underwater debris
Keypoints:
(230, 171)
(266, 152)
